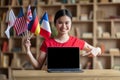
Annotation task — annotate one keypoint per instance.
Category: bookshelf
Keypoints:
(95, 21)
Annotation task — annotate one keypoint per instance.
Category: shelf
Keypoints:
(95, 22)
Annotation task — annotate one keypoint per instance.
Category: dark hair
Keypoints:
(62, 12)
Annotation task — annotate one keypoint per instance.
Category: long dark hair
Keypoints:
(62, 12)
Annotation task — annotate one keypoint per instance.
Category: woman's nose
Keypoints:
(63, 25)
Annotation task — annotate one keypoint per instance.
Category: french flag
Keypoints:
(45, 30)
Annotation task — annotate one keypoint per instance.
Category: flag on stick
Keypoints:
(35, 28)
(20, 23)
(11, 21)
(28, 19)
(29, 16)
(45, 26)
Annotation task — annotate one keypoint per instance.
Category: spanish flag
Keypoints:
(35, 26)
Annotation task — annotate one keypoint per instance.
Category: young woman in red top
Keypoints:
(63, 22)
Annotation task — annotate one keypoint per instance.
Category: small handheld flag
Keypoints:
(11, 21)
(45, 26)
(35, 28)
(20, 23)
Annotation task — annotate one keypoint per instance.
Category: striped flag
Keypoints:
(45, 26)
(29, 16)
(35, 28)
(11, 21)
(20, 23)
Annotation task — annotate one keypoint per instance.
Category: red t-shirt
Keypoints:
(72, 42)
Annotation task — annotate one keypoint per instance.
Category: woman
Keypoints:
(63, 22)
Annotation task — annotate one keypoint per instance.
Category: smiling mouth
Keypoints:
(63, 30)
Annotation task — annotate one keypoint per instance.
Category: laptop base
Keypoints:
(64, 70)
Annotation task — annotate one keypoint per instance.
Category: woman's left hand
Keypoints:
(94, 52)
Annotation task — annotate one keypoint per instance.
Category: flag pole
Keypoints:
(31, 35)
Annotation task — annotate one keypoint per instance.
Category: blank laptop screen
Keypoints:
(63, 57)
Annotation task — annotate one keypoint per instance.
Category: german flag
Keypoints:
(35, 28)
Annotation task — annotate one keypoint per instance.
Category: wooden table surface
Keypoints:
(86, 75)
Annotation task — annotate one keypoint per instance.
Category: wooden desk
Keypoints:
(86, 75)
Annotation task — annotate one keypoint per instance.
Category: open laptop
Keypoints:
(63, 59)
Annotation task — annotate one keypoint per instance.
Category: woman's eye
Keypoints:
(66, 23)
(59, 22)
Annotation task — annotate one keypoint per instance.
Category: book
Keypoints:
(16, 63)
(100, 14)
(118, 34)
(114, 51)
(26, 2)
(116, 67)
(84, 17)
(90, 17)
(19, 2)
(3, 77)
(104, 1)
(106, 35)
(34, 2)
(99, 31)
(115, 0)
(5, 62)
(4, 17)
(87, 35)
(5, 46)
(84, 1)
(13, 2)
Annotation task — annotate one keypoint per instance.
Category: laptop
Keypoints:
(63, 59)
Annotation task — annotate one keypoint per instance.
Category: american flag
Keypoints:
(20, 23)
(29, 15)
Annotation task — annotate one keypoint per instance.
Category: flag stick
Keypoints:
(27, 33)
(23, 34)
(31, 35)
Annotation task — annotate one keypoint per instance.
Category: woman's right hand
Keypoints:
(27, 44)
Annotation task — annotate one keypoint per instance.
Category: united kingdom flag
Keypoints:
(29, 16)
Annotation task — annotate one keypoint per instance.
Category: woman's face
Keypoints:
(63, 24)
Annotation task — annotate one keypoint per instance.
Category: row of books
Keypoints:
(15, 62)
(5, 45)
(98, 65)
(18, 2)
(33, 2)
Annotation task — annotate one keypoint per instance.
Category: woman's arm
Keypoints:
(37, 63)
(90, 50)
